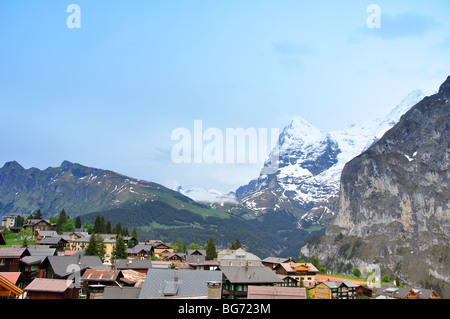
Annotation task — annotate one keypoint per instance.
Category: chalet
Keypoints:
(43, 288)
(334, 290)
(8, 289)
(236, 280)
(140, 252)
(289, 281)
(30, 265)
(169, 265)
(407, 293)
(37, 225)
(58, 243)
(272, 262)
(206, 265)
(173, 257)
(10, 258)
(303, 273)
(159, 247)
(139, 265)
(178, 283)
(274, 292)
(130, 241)
(61, 267)
(41, 234)
(238, 258)
(95, 280)
(196, 256)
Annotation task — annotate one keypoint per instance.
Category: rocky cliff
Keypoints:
(394, 208)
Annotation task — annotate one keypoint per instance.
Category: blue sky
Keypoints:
(110, 93)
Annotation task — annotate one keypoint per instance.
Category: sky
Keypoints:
(108, 83)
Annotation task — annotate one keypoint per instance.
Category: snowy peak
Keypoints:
(300, 133)
(310, 165)
(211, 196)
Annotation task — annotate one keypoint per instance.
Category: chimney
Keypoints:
(176, 274)
(214, 290)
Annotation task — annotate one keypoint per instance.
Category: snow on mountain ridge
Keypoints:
(212, 196)
(311, 162)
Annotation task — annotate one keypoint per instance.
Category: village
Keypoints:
(59, 266)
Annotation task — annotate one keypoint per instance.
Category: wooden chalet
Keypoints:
(61, 267)
(173, 257)
(95, 281)
(37, 225)
(196, 256)
(139, 265)
(272, 262)
(43, 288)
(303, 273)
(140, 252)
(334, 290)
(58, 243)
(10, 258)
(408, 293)
(237, 279)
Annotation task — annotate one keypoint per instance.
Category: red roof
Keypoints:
(48, 285)
(11, 276)
(70, 252)
(263, 292)
(322, 278)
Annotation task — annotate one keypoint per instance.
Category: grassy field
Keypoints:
(11, 239)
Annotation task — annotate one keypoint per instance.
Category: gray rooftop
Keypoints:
(250, 275)
(161, 283)
(63, 265)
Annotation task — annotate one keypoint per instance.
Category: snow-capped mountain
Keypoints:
(310, 163)
(212, 196)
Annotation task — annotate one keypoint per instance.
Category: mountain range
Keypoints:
(156, 211)
(80, 190)
(310, 163)
(394, 208)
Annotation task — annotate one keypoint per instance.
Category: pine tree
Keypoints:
(61, 221)
(134, 234)
(120, 249)
(78, 222)
(98, 224)
(38, 214)
(100, 247)
(210, 249)
(118, 229)
(108, 227)
(92, 248)
(102, 225)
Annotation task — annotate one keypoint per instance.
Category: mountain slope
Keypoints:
(394, 207)
(310, 164)
(79, 190)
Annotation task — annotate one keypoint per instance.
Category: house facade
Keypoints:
(303, 273)
(334, 290)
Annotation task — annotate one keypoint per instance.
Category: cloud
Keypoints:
(409, 24)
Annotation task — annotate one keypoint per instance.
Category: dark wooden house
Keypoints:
(10, 258)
